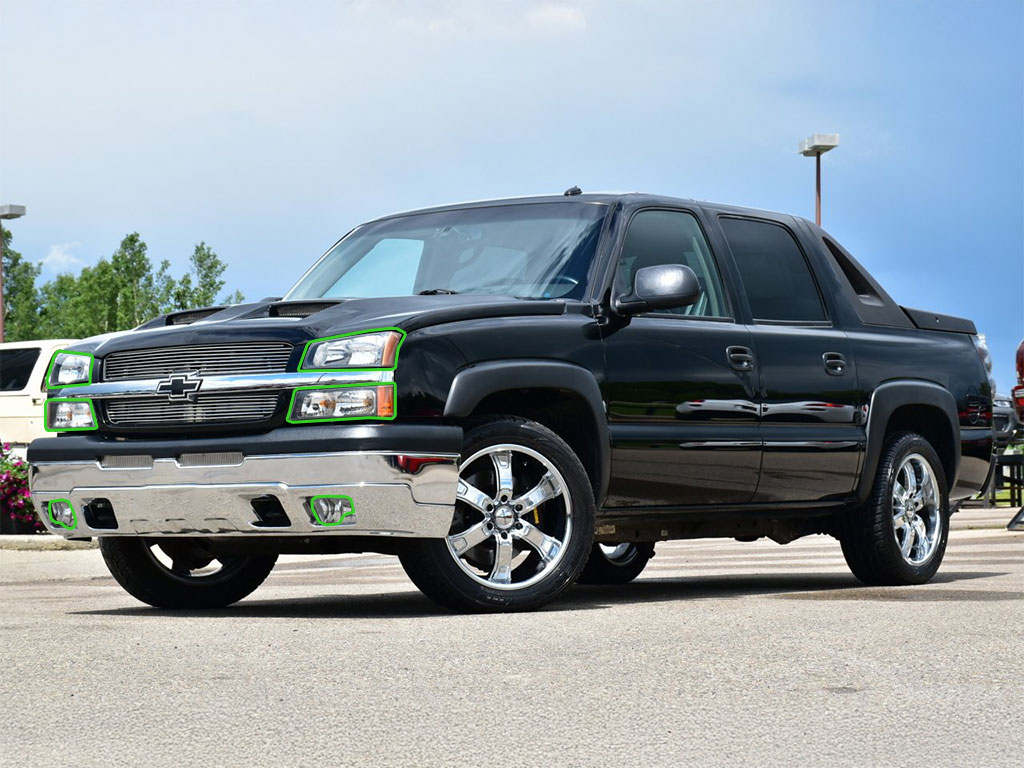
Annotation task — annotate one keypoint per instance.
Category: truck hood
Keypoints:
(300, 321)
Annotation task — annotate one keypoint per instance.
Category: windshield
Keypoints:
(530, 251)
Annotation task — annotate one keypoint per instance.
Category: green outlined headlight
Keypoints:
(377, 349)
(69, 369)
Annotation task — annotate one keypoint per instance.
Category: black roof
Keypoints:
(633, 199)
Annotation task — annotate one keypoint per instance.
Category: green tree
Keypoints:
(200, 285)
(135, 293)
(164, 287)
(207, 267)
(124, 292)
(21, 298)
(235, 297)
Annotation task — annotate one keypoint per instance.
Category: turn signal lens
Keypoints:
(65, 415)
(340, 403)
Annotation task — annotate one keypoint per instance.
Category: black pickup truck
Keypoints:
(515, 394)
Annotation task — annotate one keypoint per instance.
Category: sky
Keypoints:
(269, 128)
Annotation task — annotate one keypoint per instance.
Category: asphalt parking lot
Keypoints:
(721, 653)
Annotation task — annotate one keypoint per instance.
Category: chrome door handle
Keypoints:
(835, 363)
(740, 358)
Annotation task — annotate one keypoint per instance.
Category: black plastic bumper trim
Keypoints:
(400, 438)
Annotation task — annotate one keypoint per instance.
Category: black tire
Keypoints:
(432, 565)
(143, 576)
(617, 567)
(869, 535)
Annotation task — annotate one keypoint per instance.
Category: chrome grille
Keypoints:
(222, 407)
(205, 359)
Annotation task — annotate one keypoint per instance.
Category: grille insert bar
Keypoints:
(226, 407)
(205, 359)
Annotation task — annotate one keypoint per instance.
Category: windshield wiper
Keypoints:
(437, 292)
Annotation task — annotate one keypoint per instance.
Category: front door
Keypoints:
(681, 387)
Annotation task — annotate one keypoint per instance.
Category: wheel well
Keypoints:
(933, 425)
(564, 412)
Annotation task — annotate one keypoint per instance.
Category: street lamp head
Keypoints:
(12, 211)
(818, 144)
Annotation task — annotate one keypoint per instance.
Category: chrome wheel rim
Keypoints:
(188, 562)
(916, 517)
(513, 517)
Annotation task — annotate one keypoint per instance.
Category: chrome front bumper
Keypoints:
(206, 494)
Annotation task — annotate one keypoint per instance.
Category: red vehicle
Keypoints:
(1018, 391)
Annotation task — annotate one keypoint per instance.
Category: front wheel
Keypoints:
(181, 573)
(523, 523)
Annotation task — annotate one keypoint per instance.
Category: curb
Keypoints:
(43, 542)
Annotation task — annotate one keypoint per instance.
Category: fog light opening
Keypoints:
(62, 514)
(331, 510)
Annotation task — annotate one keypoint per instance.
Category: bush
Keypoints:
(14, 494)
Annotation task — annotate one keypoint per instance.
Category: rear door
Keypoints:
(810, 420)
(681, 413)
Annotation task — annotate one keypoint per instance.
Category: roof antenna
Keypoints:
(573, 191)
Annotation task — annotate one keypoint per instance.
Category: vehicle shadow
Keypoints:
(796, 586)
(411, 604)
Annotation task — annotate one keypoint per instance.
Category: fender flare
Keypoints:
(471, 385)
(884, 402)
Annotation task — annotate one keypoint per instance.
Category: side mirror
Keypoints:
(664, 286)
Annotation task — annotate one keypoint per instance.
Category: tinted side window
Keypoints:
(672, 237)
(16, 367)
(775, 275)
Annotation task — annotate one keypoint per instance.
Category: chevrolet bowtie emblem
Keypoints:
(180, 386)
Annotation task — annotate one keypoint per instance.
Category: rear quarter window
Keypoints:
(776, 277)
(16, 368)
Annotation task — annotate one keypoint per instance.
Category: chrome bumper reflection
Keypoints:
(212, 494)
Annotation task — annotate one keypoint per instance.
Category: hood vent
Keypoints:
(190, 316)
(301, 308)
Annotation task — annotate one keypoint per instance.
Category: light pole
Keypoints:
(6, 212)
(815, 146)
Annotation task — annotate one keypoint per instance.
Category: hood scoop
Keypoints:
(300, 308)
(190, 316)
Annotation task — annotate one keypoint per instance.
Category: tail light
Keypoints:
(986, 360)
(1018, 401)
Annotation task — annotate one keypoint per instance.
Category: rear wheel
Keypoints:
(616, 563)
(181, 573)
(523, 522)
(899, 535)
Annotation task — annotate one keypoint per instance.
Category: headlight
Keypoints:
(70, 414)
(342, 403)
(367, 349)
(1003, 403)
(69, 369)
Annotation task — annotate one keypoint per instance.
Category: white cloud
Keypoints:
(557, 16)
(60, 259)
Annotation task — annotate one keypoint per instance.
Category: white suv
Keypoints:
(23, 389)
